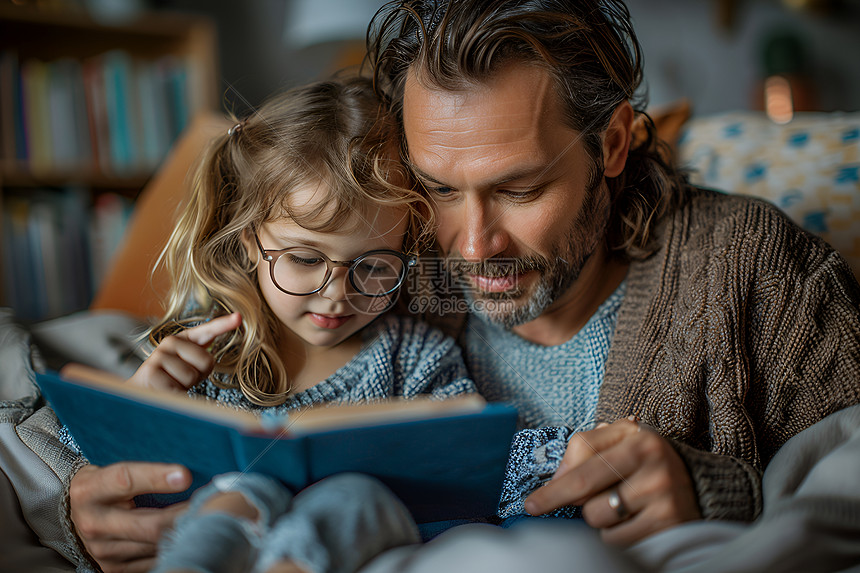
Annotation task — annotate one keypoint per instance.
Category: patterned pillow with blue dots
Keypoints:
(809, 167)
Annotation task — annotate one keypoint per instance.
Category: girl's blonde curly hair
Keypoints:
(334, 132)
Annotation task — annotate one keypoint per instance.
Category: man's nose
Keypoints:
(482, 233)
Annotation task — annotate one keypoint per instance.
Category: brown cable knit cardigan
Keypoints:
(740, 331)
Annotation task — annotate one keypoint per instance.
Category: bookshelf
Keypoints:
(88, 112)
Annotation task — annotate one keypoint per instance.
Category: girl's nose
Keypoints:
(335, 289)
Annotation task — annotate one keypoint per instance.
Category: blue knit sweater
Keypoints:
(555, 389)
(399, 357)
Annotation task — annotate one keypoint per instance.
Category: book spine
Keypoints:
(180, 96)
(81, 128)
(61, 116)
(93, 77)
(43, 224)
(73, 261)
(36, 114)
(148, 102)
(116, 84)
(38, 284)
(109, 217)
(8, 106)
(11, 271)
(174, 80)
(21, 259)
(22, 137)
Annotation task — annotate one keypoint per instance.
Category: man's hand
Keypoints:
(118, 535)
(182, 360)
(629, 480)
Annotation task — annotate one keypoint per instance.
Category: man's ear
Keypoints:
(616, 140)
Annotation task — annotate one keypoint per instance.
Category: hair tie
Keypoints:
(235, 129)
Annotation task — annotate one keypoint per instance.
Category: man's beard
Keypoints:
(558, 270)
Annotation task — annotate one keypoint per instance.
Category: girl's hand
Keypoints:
(181, 361)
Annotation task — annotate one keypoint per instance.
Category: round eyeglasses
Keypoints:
(303, 271)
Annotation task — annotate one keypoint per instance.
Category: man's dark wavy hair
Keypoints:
(591, 51)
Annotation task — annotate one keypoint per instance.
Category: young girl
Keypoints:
(297, 236)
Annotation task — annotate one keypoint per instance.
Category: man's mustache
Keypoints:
(498, 267)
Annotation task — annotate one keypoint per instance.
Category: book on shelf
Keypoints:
(174, 79)
(70, 143)
(110, 113)
(61, 114)
(116, 70)
(108, 221)
(97, 121)
(445, 459)
(156, 132)
(18, 263)
(49, 250)
(49, 283)
(36, 110)
(9, 107)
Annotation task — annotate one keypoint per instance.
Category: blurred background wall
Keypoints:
(716, 53)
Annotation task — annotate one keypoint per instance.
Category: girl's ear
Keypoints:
(616, 140)
(250, 243)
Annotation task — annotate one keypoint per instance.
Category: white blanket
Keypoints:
(810, 523)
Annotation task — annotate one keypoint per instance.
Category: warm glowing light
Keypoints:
(777, 99)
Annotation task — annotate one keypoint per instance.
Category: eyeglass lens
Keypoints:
(303, 271)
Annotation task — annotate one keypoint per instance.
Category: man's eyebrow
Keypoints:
(422, 175)
(533, 173)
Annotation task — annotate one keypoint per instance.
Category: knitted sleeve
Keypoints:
(741, 332)
(787, 354)
(726, 487)
(535, 457)
(782, 353)
(804, 340)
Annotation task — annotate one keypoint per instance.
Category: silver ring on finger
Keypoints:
(617, 504)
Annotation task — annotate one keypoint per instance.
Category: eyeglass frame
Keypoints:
(409, 261)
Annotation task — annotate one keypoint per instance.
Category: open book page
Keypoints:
(176, 401)
(318, 418)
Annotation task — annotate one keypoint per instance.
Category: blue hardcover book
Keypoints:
(444, 459)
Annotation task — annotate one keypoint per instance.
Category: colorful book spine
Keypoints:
(109, 113)
(97, 119)
(34, 79)
(61, 115)
(116, 73)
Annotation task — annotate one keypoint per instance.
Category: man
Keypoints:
(616, 291)
(601, 286)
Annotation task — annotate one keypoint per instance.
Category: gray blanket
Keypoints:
(35, 467)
